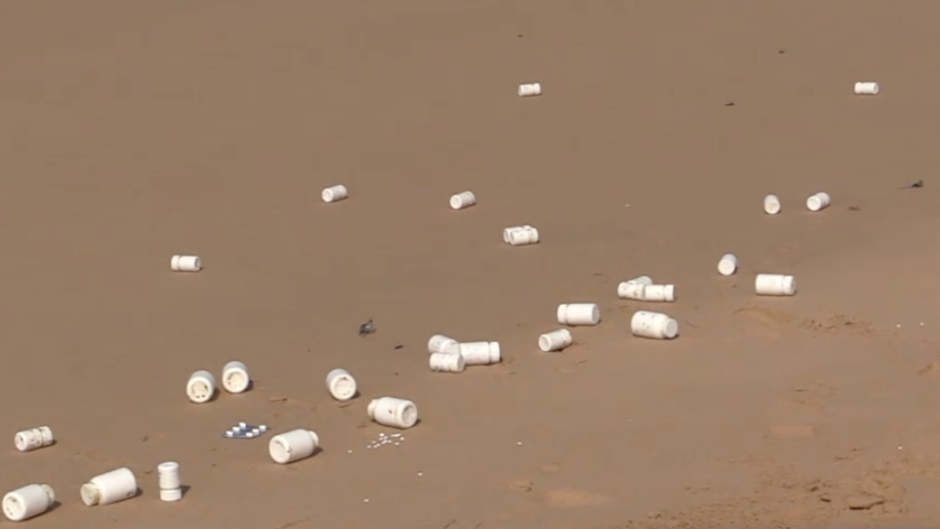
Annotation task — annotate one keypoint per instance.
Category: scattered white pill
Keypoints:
(519, 443)
(420, 474)
(365, 500)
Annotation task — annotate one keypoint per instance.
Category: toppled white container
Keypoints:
(334, 193)
(341, 384)
(642, 280)
(395, 412)
(463, 200)
(530, 89)
(27, 502)
(654, 325)
(171, 489)
(642, 292)
(555, 340)
(775, 285)
(867, 88)
(440, 343)
(771, 205)
(818, 201)
(110, 487)
(446, 363)
(578, 314)
(235, 378)
(728, 264)
(293, 446)
(521, 235)
(185, 263)
(480, 353)
(201, 387)
(33, 438)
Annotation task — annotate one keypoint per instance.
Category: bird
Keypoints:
(367, 328)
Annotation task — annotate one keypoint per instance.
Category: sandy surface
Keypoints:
(130, 131)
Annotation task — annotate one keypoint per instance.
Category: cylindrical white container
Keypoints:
(341, 384)
(644, 292)
(463, 200)
(446, 363)
(33, 438)
(185, 263)
(771, 205)
(27, 502)
(442, 344)
(201, 387)
(578, 314)
(654, 325)
(293, 445)
(169, 480)
(555, 340)
(867, 88)
(818, 201)
(521, 235)
(530, 89)
(728, 264)
(171, 494)
(235, 378)
(775, 285)
(109, 487)
(480, 353)
(334, 193)
(395, 412)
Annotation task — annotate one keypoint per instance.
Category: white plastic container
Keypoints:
(27, 502)
(110, 487)
(33, 438)
(446, 363)
(555, 340)
(530, 89)
(201, 387)
(169, 481)
(442, 344)
(642, 292)
(334, 193)
(480, 353)
(521, 235)
(654, 325)
(293, 446)
(463, 200)
(341, 384)
(771, 205)
(185, 263)
(775, 285)
(728, 264)
(394, 412)
(578, 314)
(642, 280)
(867, 88)
(235, 377)
(818, 201)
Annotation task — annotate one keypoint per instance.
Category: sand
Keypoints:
(132, 131)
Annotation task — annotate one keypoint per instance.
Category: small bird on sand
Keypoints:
(367, 328)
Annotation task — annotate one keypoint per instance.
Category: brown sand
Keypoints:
(130, 131)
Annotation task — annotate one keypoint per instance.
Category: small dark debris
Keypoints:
(519, 36)
(729, 103)
(399, 346)
(854, 208)
(781, 52)
(367, 328)
(915, 185)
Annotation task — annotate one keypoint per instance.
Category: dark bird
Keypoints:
(367, 328)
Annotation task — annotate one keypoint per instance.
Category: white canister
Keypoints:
(395, 412)
(463, 200)
(293, 445)
(27, 502)
(169, 481)
(480, 353)
(775, 285)
(530, 89)
(442, 344)
(642, 280)
(446, 363)
(818, 201)
(867, 88)
(185, 263)
(334, 193)
(235, 378)
(654, 325)
(33, 438)
(555, 340)
(201, 387)
(341, 384)
(728, 264)
(109, 487)
(771, 205)
(578, 314)
(521, 235)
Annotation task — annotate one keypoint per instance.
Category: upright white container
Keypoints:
(521, 235)
(480, 353)
(867, 88)
(463, 200)
(185, 263)
(442, 344)
(27, 502)
(446, 363)
(341, 384)
(578, 314)
(171, 489)
(395, 412)
(728, 264)
(201, 387)
(818, 201)
(771, 205)
(235, 377)
(293, 446)
(110, 487)
(555, 340)
(33, 438)
(530, 89)
(334, 193)
(654, 325)
(775, 285)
